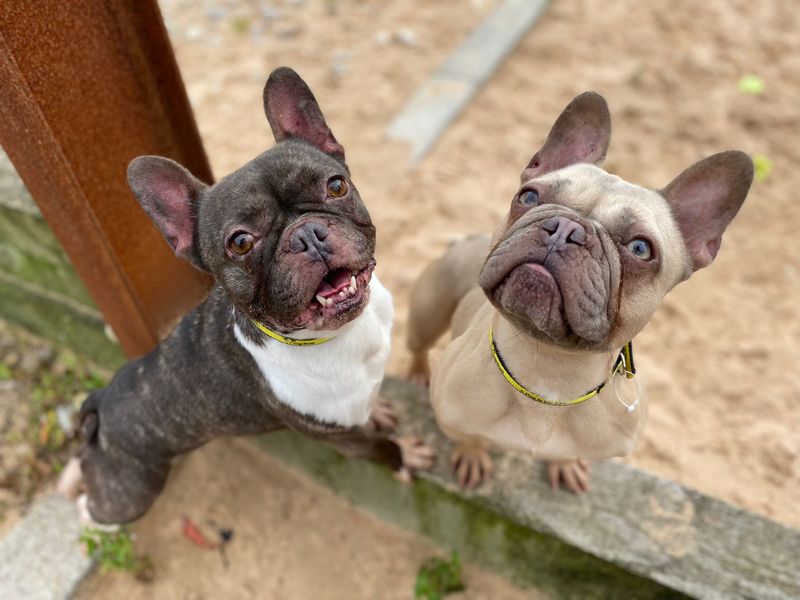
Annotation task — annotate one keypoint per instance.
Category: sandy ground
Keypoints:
(719, 358)
(292, 539)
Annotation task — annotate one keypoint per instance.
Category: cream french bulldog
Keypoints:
(542, 315)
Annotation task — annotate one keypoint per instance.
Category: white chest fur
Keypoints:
(337, 381)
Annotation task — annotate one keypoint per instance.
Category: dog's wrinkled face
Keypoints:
(286, 235)
(584, 257)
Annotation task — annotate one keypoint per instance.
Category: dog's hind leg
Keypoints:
(112, 481)
(435, 297)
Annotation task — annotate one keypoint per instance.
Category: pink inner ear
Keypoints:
(704, 205)
(293, 112)
(580, 135)
(705, 198)
(577, 149)
(174, 213)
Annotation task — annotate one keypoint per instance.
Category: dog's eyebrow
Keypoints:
(622, 221)
(246, 214)
(557, 184)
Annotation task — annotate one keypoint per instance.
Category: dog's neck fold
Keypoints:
(554, 372)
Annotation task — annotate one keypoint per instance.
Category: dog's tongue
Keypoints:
(334, 282)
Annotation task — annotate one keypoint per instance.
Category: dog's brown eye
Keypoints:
(337, 187)
(241, 243)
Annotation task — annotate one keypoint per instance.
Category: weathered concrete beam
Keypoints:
(634, 535)
(639, 522)
(41, 558)
(447, 92)
(39, 288)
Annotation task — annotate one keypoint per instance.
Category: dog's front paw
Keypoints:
(574, 474)
(382, 418)
(471, 464)
(416, 456)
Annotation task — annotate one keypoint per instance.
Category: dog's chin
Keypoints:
(530, 297)
(340, 297)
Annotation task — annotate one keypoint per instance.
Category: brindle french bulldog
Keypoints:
(294, 334)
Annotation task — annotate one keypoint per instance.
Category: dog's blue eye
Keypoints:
(529, 197)
(640, 249)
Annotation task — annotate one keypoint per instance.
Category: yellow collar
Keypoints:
(287, 340)
(623, 364)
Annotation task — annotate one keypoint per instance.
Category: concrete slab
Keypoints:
(41, 558)
(448, 91)
(631, 520)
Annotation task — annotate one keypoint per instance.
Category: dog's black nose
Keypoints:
(564, 231)
(309, 237)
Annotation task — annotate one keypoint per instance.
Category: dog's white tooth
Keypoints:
(341, 295)
(330, 301)
(353, 282)
(321, 300)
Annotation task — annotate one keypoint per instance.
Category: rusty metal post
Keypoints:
(86, 86)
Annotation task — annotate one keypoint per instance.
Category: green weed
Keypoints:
(114, 551)
(438, 577)
(5, 372)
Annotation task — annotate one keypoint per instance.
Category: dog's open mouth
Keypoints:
(340, 294)
(336, 286)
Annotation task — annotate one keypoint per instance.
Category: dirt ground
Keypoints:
(719, 359)
(292, 539)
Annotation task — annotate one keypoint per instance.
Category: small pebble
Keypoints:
(65, 416)
(195, 33)
(382, 38)
(407, 37)
(31, 361)
(288, 30)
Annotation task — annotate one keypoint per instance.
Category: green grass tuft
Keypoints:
(6, 373)
(114, 551)
(438, 577)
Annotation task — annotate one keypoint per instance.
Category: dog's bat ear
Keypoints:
(169, 194)
(293, 112)
(704, 200)
(581, 134)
